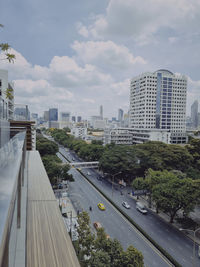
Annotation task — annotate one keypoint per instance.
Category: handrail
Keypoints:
(12, 157)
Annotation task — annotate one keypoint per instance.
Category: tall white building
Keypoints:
(158, 101)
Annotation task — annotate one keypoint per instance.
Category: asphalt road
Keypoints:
(83, 195)
(172, 240)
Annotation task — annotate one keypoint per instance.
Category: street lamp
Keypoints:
(113, 175)
(194, 233)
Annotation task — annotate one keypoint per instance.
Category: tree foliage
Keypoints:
(4, 51)
(171, 193)
(103, 251)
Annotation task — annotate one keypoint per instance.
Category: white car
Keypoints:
(126, 205)
(140, 207)
(88, 173)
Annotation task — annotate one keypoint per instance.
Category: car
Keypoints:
(73, 159)
(140, 207)
(101, 206)
(60, 186)
(126, 205)
(88, 173)
(97, 225)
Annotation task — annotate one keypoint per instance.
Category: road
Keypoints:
(172, 240)
(83, 195)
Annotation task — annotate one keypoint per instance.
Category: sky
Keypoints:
(78, 55)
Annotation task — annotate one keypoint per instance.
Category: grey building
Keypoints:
(194, 113)
(53, 114)
(101, 112)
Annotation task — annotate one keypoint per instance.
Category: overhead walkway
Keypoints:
(82, 165)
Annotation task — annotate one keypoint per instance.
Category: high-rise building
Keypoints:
(79, 119)
(120, 114)
(101, 112)
(73, 118)
(158, 101)
(65, 116)
(46, 115)
(53, 114)
(194, 113)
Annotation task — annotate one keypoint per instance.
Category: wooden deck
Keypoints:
(48, 243)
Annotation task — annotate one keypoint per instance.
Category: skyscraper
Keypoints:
(53, 114)
(194, 114)
(64, 116)
(120, 114)
(158, 101)
(101, 112)
(79, 118)
(73, 119)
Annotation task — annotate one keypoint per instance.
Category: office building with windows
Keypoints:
(158, 101)
(53, 114)
(194, 114)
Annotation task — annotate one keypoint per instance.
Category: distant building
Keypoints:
(79, 132)
(158, 101)
(46, 115)
(194, 114)
(114, 119)
(129, 136)
(53, 114)
(65, 116)
(101, 112)
(21, 113)
(79, 119)
(120, 115)
(73, 119)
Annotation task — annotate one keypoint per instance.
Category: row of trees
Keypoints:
(171, 192)
(53, 165)
(133, 161)
(101, 251)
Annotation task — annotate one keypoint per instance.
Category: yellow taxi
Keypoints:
(101, 206)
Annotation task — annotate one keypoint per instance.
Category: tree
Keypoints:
(132, 258)
(172, 194)
(99, 259)
(84, 244)
(4, 50)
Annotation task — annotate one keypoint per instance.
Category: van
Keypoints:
(141, 207)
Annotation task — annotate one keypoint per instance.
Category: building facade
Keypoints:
(130, 136)
(158, 101)
(194, 114)
(65, 116)
(53, 114)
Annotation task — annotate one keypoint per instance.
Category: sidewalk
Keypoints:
(166, 217)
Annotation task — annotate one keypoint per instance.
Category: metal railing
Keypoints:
(12, 163)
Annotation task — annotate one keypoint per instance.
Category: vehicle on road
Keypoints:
(126, 205)
(101, 206)
(88, 173)
(97, 225)
(73, 159)
(140, 207)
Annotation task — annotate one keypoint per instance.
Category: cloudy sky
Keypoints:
(77, 55)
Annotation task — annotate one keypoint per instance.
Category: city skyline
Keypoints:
(78, 56)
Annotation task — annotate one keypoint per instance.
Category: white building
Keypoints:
(158, 101)
(129, 136)
(79, 132)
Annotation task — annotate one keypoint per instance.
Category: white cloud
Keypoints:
(140, 19)
(82, 30)
(106, 54)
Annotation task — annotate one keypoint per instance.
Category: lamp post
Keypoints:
(194, 243)
(113, 175)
